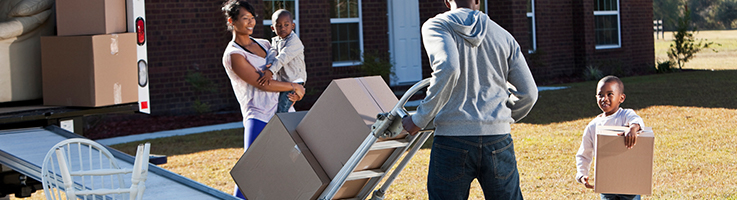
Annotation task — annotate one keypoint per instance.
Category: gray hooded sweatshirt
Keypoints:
(480, 83)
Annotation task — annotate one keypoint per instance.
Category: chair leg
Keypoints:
(64, 169)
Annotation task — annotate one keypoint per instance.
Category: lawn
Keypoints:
(725, 44)
(693, 114)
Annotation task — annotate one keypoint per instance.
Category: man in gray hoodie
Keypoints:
(480, 85)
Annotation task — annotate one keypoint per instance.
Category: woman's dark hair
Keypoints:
(231, 9)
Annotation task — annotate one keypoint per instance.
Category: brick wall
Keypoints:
(190, 36)
(186, 36)
(565, 37)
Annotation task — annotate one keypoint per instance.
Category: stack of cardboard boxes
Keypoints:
(91, 62)
(298, 154)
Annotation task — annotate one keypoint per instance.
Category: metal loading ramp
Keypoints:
(23, 150)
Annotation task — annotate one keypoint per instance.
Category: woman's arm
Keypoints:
(248, 73)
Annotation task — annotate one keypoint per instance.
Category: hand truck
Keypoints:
(388, 125)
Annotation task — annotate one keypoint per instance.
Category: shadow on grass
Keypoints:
(180, 145)
(707, 89)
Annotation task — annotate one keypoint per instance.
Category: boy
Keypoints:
(609, 94)
(286, 57)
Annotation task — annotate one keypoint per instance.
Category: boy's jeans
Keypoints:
(456, 160)
(619, 197)
(284, 102)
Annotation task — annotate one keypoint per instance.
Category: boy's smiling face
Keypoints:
(283, 26)
(608, 96)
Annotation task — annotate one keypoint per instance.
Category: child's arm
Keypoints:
(268, 74)
(293, 49)
(585, 155)
(635, 123)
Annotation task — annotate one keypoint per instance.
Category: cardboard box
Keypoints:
(89, 71)
(90, 17)
(620, 170)
(341, 119)
(278, 165)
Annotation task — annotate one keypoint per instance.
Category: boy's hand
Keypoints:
(630, 138)
(585, 181)
(264, 80)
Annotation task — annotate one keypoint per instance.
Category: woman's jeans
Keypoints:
(456, 160)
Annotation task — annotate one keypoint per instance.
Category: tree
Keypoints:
(684, 46)
(666, 10)
(726, 13)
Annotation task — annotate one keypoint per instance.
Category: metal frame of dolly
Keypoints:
(387, 125)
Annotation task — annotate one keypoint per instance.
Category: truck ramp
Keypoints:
(23, 150)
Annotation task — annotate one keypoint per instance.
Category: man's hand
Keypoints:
(264, 80)
(409, 125)
(630, 138)
(585, 181)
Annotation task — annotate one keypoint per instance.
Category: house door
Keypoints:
(404, 44)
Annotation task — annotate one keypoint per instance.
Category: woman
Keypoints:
(244, 59)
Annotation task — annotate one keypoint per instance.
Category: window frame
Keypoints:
(358, 20)
(267, 19)
(619, 26)
(534, 27)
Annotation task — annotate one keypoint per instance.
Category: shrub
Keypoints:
(665, 67)
(592, 73)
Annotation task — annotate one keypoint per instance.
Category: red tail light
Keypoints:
(141, 31)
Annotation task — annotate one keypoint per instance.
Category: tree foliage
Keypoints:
(684, 43)
(705, 14)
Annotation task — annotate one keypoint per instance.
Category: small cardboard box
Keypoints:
(341, 119)
(89, 71)
(620, 170)
(278, 165)
(90, 17)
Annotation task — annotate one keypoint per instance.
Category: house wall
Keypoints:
(190, 36)
(565, 37)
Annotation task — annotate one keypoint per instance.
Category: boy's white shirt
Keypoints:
(585, 155)
(288, 54)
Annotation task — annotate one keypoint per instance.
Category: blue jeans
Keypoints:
(619, 197)
(284, 102)
(456, 160)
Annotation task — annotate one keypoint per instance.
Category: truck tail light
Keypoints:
(142, 73)
(140, 31)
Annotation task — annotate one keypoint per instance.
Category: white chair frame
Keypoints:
(80, 167)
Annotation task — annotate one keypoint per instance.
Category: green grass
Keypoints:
(693, 114)
(724, 58)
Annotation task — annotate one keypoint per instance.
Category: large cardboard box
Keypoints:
(341, 119)
(620, 170)
(89, 71)
(90, 17)
(278, 165)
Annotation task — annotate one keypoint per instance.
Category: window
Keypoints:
(270, 6)
(606, 24)
(531, 31)
(347, 34)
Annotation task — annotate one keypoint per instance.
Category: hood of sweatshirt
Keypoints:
(471, 25)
